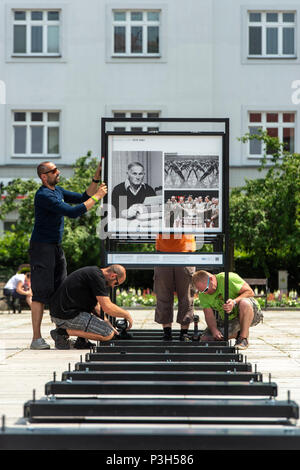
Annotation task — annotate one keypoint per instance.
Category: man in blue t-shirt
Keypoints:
(47, 259)
(241, 307)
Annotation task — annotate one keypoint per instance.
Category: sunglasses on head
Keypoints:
(206, 288)
(53, 171)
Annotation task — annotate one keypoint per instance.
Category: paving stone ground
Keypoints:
(274, 347)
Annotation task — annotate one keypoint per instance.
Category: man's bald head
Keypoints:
(42, 168)
(119, 270)
(114, 274)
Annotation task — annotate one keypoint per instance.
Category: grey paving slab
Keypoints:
(274, 348)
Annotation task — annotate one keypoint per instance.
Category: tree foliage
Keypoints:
(265, 212)
(80, 242)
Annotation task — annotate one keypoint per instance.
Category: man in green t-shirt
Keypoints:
(241, 307)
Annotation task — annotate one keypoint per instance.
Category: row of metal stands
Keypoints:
(145, 393)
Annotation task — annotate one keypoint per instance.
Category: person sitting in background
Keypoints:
(18, 286)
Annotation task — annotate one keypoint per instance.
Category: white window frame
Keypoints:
(28, 22)
(128, 23)
(129, 127)
(264, 125)
(28, 123)
(264, 24)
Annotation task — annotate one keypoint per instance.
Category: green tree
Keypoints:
(265, 212)
(80, 242)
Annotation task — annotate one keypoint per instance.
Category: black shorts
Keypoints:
(48, 270)
(13, 293)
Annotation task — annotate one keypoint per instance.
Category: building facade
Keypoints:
(66, 64)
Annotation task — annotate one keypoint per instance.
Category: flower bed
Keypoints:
(146, 298)
(135, 298)
(280, 299)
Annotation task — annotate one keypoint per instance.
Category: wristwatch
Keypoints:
(95, 181)
(234, 303)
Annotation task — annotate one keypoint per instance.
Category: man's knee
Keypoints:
(245, 304)
(246, 309)
(107, 338)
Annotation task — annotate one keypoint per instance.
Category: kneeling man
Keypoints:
(73, 307)
(242, 309)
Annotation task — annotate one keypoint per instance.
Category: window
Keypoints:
(277, 124)
(36, 133)
(134, 127)
(271, 34)
(136, 33)
(36, 32)
(8, 225)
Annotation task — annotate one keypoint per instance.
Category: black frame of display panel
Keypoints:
(220, 240)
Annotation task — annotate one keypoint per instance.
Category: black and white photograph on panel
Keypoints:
(141, 182)
(194, 211)
(191, 171)
(136, 195)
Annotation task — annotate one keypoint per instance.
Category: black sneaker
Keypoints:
(241, 343)
(61, 338)
(83, 343)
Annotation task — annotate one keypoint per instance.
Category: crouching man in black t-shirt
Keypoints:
(73, 306)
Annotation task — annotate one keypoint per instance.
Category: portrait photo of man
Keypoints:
(136, 188)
